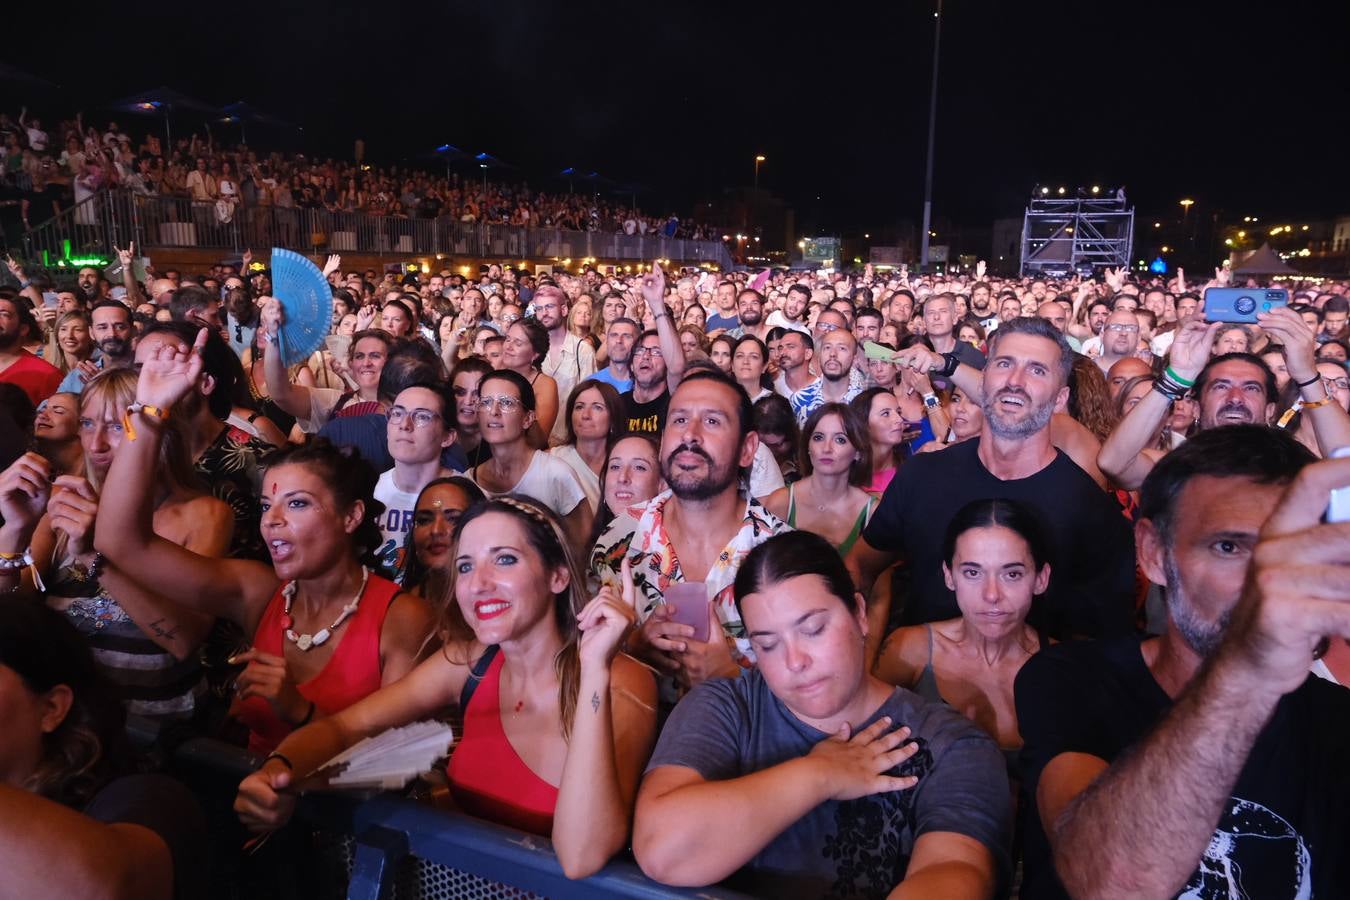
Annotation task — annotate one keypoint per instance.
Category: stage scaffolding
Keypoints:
(1076, 234)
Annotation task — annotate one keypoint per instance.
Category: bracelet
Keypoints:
(95, 567)
(281, 756)
(1172, 374)
(1300, 405)
(306, 720)
(154, 412)
(15, 562)
(1173, 392)
(1310, 382)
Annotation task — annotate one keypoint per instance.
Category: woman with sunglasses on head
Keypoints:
(506, 412)
(523, 351)
(557, 723)
(326, 631)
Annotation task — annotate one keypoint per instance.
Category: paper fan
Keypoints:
(389, 760)
(306, 302)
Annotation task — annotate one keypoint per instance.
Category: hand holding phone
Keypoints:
(688, 602)
(1242, 305)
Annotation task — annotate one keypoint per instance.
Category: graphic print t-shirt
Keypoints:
(395, 522)
(1284, 832)
(730, 727)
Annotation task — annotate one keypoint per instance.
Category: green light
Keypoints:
(87, 261)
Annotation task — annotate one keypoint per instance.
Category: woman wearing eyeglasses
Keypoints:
(506, 412)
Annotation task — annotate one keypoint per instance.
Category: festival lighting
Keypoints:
(1044, 191)
(1188, 203)
(1061, 192)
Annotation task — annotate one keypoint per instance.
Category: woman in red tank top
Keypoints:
(325, 631)
(557, 724)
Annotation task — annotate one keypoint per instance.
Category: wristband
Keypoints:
(1310, 382)
(308, 716)
(1172, 374)
(154, 412)
(279, 756)
(1171, 391)
(1300, 405)
(949, 365)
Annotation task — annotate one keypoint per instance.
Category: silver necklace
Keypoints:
(306, 641)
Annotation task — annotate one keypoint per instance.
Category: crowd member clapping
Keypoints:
(519, 636)
(326, 632)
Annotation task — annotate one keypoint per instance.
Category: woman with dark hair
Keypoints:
(694, 315)
(68, 825)
(254, 382)
(693, 341)
(880, 409)
(523, 351)
(518, 636)
(427, 547)
(595, 419)
(632, 476)
(995, 557)
(777, 428)
(142, 643)
(465, 378)
(749, 358)
(397, 319)
(326, 631)
(721, 350)
(506, 412)
(836, 457)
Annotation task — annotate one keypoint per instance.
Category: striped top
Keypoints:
(151, 682)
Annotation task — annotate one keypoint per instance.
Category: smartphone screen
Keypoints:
(688, 602)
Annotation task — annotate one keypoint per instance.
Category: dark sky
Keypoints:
(1243, 109)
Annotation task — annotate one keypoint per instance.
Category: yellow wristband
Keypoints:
(154, 412)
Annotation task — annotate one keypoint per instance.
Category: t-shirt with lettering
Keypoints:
(1283, 832)
(727, 728)
(1091, 545)
(395, 522)
(649, 417)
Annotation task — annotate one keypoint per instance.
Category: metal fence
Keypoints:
(113, 218)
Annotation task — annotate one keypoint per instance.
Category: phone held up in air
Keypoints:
(1338, 507)
(688, 602)
(1242, 305)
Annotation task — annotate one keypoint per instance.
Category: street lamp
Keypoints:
(1186, 205)
(758, 160)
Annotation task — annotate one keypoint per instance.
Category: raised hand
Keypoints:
(919, 359)
(1181, 280)
(266, 676)
(659, 640)
(87, 369)
(124, 257)
(72, 510)
(25, 488)
(854, 765)
(605, 620)
(171, 374)
(654, 289)
(979, 270)
(332, 265)
(271, 316)
(365, 316)
(244, 262)
(1299, 342)
(1222, 275)
(1191, 347)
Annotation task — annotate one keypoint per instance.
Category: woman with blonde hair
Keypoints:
(69, 342)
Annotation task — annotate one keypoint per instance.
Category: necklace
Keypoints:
(305, 641)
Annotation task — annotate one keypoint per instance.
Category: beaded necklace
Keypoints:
(306, 641)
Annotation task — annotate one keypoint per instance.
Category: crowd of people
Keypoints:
(815, 584)
(46, 169)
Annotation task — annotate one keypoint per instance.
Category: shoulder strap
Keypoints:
(929, 628)
(475, 676)
(347, 395)
(792, 505)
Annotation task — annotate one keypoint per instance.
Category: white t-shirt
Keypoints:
(765, 476)
(589, 481)
(548, 480)
(396, 520)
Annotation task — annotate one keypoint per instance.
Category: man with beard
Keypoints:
(196, 306)
(1232, 389)
(620, 337)
(38, 378)
(112, 334)
(793, 313)
(658, 362)
(1206, 761)
(750, 306)
(90, 285)
(1091, 550)
(1120, 339)
(697, 532)
(241, 315)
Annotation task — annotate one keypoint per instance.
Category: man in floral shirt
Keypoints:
(697, 532)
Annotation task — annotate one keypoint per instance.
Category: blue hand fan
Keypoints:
(306, 303)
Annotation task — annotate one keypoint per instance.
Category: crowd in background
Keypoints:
(816, 583)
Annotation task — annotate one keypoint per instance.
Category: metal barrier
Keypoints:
(113, 218)
(418, 852)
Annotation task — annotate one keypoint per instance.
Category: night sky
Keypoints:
(1242, 109)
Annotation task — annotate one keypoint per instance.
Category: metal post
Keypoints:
(932, 126)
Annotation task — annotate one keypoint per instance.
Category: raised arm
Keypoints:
(125, 259)
(1122, 458)
(654, 294)
(613, 730)
(293, 398)
(233, 589)
(1330, 423)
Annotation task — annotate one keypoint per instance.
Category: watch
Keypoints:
(949, 364)
(931, 401)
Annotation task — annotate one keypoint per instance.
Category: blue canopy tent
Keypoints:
(486, 161)
(162, 101)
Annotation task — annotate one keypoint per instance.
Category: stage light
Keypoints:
(1246, 218)
(868, 237)
(1096, 189)
(1157, 224)
(1305, 227)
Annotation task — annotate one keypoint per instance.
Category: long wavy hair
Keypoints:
(46, 651)
(544, 533)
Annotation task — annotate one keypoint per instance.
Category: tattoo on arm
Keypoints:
(158, 628)
(595, 702)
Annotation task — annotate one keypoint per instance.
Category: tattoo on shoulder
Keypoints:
(595, 702)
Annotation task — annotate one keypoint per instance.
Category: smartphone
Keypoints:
(50, 299)
(1338, 507)
(688, 602)
(1242, 305)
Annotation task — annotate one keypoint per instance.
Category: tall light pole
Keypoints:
(758, 160)
(932, 127)
(1186, 204)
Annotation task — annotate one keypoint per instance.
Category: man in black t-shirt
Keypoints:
(1091, 548)
(1206, 761)
(658, 362)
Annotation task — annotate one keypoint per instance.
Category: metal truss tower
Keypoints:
(1076, 234)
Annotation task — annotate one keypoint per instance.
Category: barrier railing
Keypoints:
(113, 217)
(436, 854)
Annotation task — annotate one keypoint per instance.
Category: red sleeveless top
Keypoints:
(351, 673)
(487, 778)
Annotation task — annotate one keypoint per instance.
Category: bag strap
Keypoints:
(475, 676)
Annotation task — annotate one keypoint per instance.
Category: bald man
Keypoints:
(1122, 370)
